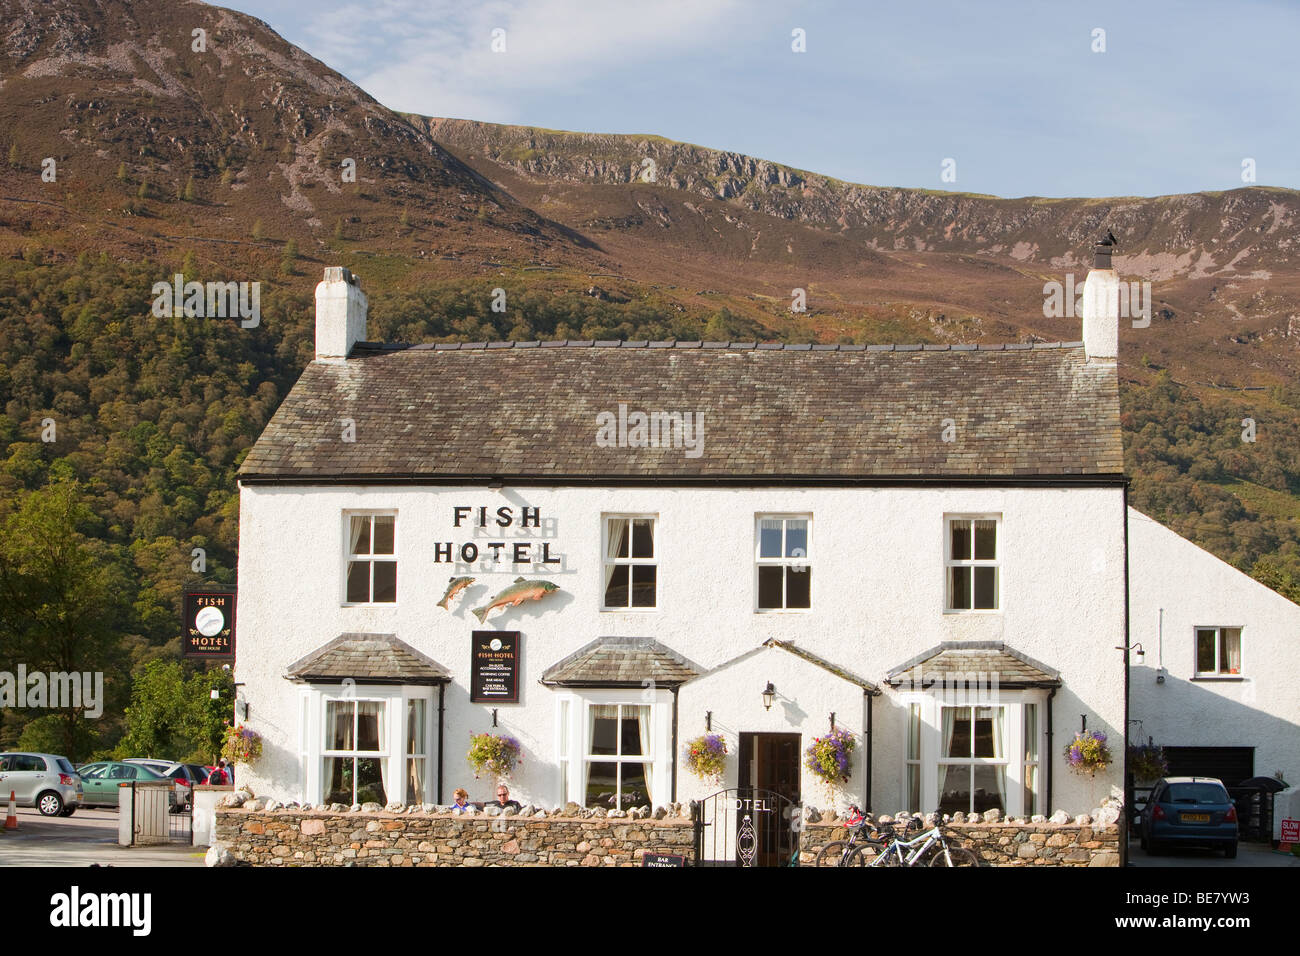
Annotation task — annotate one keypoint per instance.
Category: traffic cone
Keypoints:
(11, 821)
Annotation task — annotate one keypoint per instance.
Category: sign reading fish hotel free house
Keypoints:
(209, 627)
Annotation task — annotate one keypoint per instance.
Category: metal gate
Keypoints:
(746, 827)
(180, 824)
(155, 813)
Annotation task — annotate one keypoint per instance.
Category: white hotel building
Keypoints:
(860, 526)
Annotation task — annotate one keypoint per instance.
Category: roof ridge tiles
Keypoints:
(367, 347)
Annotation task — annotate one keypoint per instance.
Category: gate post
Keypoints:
(697, 821)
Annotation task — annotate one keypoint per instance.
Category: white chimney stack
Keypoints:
(1101, 306)
(340, 315)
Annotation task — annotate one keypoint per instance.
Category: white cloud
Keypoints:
(436, 57)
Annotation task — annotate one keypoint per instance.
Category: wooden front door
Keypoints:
(771, 762)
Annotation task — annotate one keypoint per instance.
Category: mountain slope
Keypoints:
(1224, 267)
(132, 114)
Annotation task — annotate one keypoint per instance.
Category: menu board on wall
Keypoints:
(494, 667)
(209, 626)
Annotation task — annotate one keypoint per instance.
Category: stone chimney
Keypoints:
(1101, 305)
(340, 315)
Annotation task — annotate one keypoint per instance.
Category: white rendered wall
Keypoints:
(1262, 710)
(877, 593)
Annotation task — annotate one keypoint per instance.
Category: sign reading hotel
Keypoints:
(208, 630)
(494, 667)
(515, 552)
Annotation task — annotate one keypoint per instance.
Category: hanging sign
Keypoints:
(494, 667)
(208, 630)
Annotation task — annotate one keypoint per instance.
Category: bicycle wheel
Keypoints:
(865, 854)
(832, 854)
(960, 857)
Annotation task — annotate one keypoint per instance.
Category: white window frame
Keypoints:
(1218, 630)
(572, 777)
(1014, 702)
(949, 562)
(349, 557)
(606, 561)
(395, 697)
(804, 560)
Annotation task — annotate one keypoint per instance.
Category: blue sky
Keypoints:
(885, 92)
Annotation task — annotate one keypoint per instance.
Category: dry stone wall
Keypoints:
(294, 837)
(327, 838)
(1006, 844)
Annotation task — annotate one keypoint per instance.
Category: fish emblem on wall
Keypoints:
(454, 587)
(517, 594)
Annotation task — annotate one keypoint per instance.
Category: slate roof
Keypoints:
(822, 662)
(519, 410)
(954, 659)
(621, 661)
(368, 659)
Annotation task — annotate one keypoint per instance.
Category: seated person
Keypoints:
(460, 801)
(503, 799)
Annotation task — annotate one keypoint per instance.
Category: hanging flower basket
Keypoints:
(492, 754)
(830, 758)
(1147, 762)
(706, 757)
(241, 745)
(1088, 752)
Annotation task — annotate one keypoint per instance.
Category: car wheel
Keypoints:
(1153, 847)
(68, 811)
(1142, 840)
(1230, 851)
(50, 804)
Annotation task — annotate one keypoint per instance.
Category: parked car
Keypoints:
(1189, 810)
(102, 779)
(184, 774)
(47, 782)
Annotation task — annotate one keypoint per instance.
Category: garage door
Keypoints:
(1230, 764)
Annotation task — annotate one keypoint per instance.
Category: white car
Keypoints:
(47, 782)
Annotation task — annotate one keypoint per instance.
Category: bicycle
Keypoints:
(852, 852)
(896, 854)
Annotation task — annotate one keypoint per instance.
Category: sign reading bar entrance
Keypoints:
(662, 860)
(208, 630)
(494, 667)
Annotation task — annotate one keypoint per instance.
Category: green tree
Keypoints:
(176, 718)
(121, 172)
(290, 257)
(190, 193)
(60, 596)
(257, 229)
(155, 718)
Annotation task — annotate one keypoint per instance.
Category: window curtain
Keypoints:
(1230, 640)
(594, 713)
(999, 715)
(951, 773)
(643, 728)
(618, 531)
(359, 527)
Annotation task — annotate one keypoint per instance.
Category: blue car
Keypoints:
(1186, 811)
